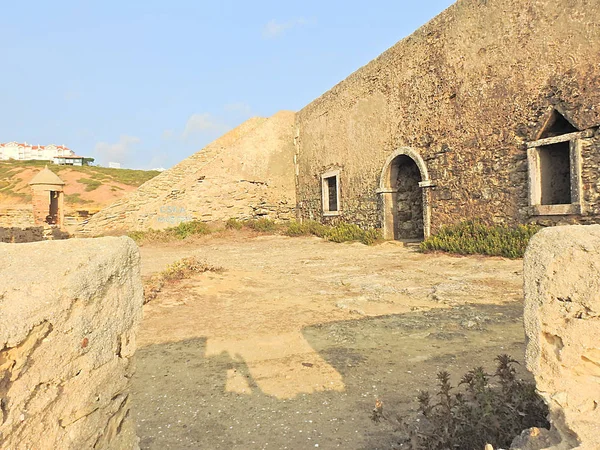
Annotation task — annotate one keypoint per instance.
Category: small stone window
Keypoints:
(554, 162)
(330, 186)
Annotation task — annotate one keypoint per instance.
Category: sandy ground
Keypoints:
(290, 346)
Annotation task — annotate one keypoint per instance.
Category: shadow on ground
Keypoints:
(182, 400)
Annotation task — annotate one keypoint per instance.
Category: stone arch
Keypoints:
(404, 162)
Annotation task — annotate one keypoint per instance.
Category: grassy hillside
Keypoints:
(86, 187)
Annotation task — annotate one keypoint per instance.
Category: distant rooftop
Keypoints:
(35, 147)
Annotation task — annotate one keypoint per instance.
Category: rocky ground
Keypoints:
(291, 345)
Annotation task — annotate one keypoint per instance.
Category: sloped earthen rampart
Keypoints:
(69, 311)
(247, 173)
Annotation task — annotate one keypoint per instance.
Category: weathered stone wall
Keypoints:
(591, 180)
(68, 317)
(466, 91)
(247, 173)
(16, 217)
(562, 322)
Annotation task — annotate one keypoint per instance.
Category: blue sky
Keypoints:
(148, 83)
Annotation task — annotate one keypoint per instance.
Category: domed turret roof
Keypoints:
(46, 176)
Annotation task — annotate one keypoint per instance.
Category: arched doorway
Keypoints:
(405, 199)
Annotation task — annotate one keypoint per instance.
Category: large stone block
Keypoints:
(69, 311)
(562, 322)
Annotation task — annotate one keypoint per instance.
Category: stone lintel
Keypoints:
(562, 138)
(556, 210)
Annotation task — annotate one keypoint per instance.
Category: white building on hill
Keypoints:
(25, 151)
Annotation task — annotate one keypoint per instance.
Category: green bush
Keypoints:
(187, 229)
(182, 231)
(481, 413)
(475, 237)
(151, 235)
(307, 228)
(350, 232)
(343, 232)
(234, 224)
(137, 236)
(262, 225)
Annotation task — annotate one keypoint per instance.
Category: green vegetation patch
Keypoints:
(187, 229)
(342, 232)
(129, 177)
(9, 181)
(307, 228)
(90, 184)
(76, 199)
(345, 232)
(262, 225)
(476, 237)
(234, 224)
(182, 231)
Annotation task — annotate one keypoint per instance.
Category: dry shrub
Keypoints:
(234, 224)
(179, 270)
(262, 225)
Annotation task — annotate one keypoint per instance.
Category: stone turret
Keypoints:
(48, 198)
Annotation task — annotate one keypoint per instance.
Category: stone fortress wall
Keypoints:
(460, 102)
(465, 93)
(245, 174)
(69, 311)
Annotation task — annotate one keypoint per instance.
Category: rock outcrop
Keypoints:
(69, 311)
(562, 322)
(247, 173)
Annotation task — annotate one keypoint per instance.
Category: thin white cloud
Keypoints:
(119, 151)
(274, 29)
(202, 123)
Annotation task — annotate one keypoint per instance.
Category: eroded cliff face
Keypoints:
(562, 322)
(69, 312)
(466, 92)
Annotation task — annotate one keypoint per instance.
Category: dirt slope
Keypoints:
(90, 188)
